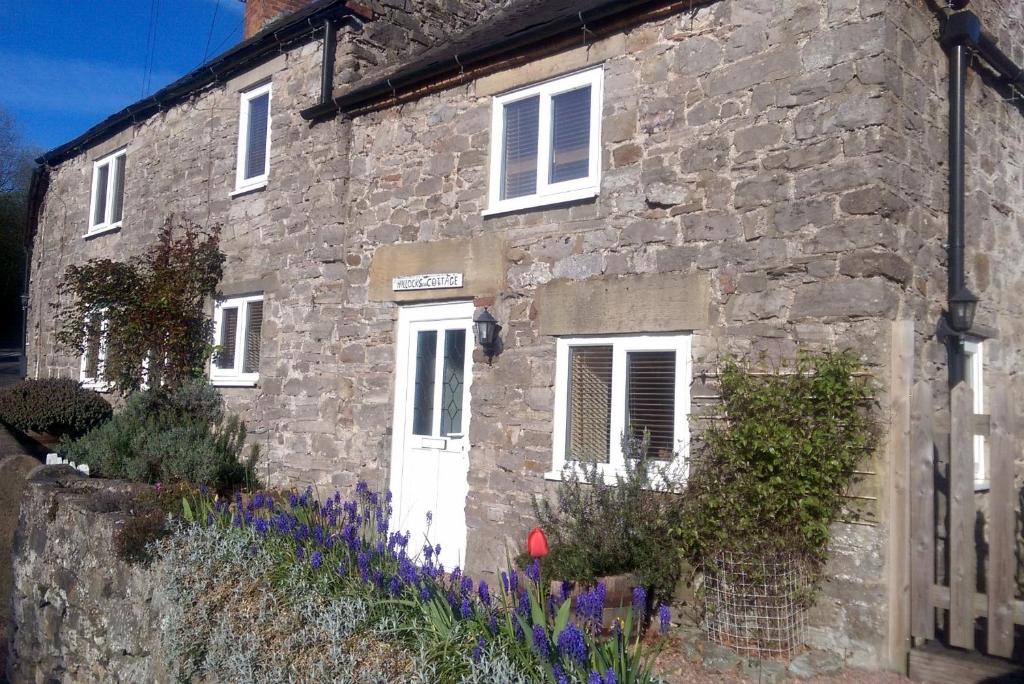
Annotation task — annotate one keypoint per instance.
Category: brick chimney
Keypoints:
(259, 13)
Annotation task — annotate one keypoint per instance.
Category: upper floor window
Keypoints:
(107, 205)
(611, 388)
(238, 323)
(546, 143)
(253, 163)
(95, 353)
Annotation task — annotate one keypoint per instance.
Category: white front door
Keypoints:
(430, 445)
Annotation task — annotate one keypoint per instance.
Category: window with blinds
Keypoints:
(590, 404)
(546, 143)
(253, 164)
(238, 326)
(611, 388)
(107, 205)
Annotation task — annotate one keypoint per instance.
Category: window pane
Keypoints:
(228, 328)
(590, 402)
(519, 154)
(423, 393)
(93, 337)
(254, 324)
(118, 199)
(451, 391)
(570, 135)
(99, 214)
(256, 141)
(650, 399)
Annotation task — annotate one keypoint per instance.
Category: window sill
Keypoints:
(101, 387)
(246, 189)
(982, 485)
(102, 230)
(234, 382)
(536, 201)
(610, 474)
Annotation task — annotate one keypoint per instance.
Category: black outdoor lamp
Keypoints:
(962, 306)
(485, 329)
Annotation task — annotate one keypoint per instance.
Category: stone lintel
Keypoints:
(481, 261)
(663, 302)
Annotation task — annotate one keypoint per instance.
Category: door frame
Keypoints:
(409, 314)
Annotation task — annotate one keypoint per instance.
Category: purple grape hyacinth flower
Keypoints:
(478, 650)
(609, 677)
(315, 560)
(533, 571)
(595, 678)
(640, 602)
(485, 593)
(572, 644)
(664, 617)
(540, 641)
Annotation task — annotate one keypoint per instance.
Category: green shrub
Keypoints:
(170, 436)
(598, 529)
(771, 477)
(60, 406)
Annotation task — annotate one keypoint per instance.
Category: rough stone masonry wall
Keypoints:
(746, 141)
(994, 198)
(80, 613)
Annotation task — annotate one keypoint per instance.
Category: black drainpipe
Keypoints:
(327, 66)
(961, 36)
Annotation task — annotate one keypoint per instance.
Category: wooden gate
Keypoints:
(946, 606)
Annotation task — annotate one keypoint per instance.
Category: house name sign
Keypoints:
(426, 281)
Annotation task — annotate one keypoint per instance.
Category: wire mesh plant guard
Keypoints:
(755, 604)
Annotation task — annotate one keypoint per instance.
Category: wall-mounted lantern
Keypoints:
(485, 329)
(962, 306)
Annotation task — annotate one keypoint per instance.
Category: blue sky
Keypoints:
(68, 64)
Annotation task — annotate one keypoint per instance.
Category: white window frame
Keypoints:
(547, 193)
(233, 377)
(243, 184)
(621, 345)
(106, 225)
(98, 382)
(974, 359)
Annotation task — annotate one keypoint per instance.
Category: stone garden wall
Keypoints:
(80, 614)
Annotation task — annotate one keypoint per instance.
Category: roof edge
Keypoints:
(288, 30)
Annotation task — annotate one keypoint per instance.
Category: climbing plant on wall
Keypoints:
(151, 311)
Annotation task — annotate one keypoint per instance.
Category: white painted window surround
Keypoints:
(106, 204)
(238, 323)
(975, 378)
(621, 347)
(252, 165)
(546, 143)
(90, 372)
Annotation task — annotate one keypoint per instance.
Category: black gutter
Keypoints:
(430, 68)
(257, 49)
(963, 35)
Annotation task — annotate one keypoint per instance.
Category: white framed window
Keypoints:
(546, 143)
(238, 322)
(607, 387)
(253, 163)
(974, 376)
(106, 207)
(94, 355)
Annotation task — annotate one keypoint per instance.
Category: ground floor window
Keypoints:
(238, 322)
(608, 388)
(94, 354)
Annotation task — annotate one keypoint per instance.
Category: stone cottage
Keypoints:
(630, 188)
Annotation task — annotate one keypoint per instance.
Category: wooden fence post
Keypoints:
(922, 513)
(901, 369)
(962, 549)
(1001, 523)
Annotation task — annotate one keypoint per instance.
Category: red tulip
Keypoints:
(537, 543)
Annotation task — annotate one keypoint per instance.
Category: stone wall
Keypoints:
(79, 613)
(757, 144)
